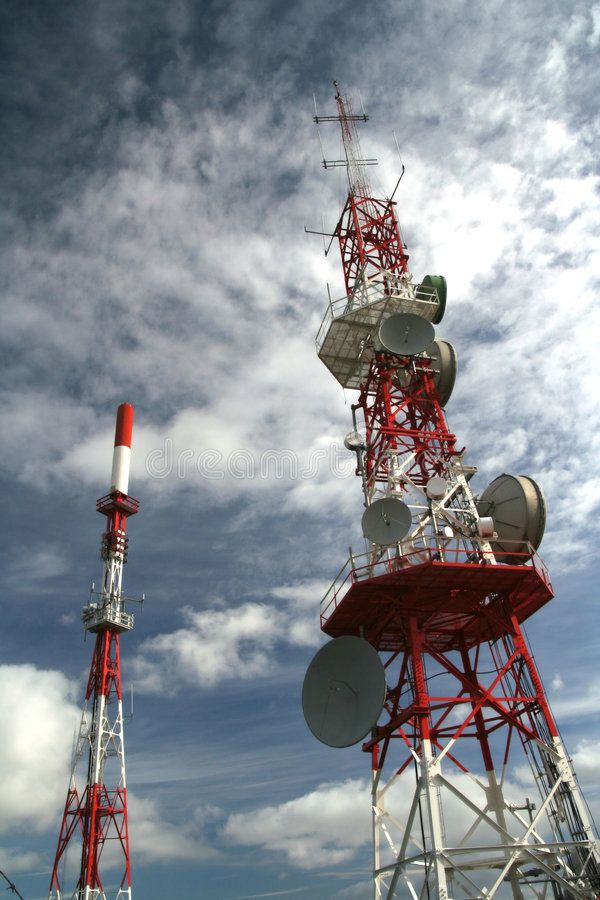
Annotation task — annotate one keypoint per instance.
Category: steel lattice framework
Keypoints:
(466, 728)
(95, 822)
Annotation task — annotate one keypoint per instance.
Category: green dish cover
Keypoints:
(439, 283)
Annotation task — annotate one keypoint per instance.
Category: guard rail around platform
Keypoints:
(360, 567)
(97, 618)
(417, 297)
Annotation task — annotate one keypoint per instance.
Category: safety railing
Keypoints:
(360, 567)
(117, 500)
(95, 616)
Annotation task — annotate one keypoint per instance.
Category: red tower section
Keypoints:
(466, 737)
(94, 824)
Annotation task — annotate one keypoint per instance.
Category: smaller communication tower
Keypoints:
(95, 814)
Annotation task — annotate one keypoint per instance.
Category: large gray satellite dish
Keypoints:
(516, 504)
(443, 363)
(406, 334)
(443, 359)
(386, 521)
(344, 691)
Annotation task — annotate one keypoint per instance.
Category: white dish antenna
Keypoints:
(344, 691)
(444, 360)
(386, 521)
(517, 506)
(436, 487)
(406, 334)
(444, 363)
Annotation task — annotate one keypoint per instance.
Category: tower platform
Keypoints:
(116, 500)
(457, 600)
(349, 321)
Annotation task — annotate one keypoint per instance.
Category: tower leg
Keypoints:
(488, 704)
(98, 814)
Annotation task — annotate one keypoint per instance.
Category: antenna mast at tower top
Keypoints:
(371, 246)
(353, 158)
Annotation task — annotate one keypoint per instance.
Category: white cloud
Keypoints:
(216, 644)
(219, 643)
(356, 891)
(586, 762)
(39, 720)
(177, 275)
(324, 827)
(582, 700)
(13, 861)
(38, 565)
(152, 838)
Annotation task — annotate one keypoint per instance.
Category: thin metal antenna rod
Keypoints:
(401, 164)
(11, 886)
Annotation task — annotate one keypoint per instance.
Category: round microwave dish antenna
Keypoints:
(406, 334)
(354, 441)
(485, 527)
(436, 487)
(444, 360)
(344, 691)
(386, 521)
(516, 504)
(439, 283)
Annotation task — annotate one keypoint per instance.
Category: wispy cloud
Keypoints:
(229, 642)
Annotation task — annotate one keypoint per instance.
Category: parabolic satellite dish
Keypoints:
(443, 362)
(406, 334)
(443, 358)
(344, 691)
(516, 504)
(386, 521)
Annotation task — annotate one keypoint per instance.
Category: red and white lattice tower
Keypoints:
(473, 793)
(95, 815)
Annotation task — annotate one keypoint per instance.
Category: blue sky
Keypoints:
(160, 163)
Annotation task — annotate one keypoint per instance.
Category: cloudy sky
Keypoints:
(159, 166)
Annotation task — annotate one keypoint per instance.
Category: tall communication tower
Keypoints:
(95, 815)
(473, 793)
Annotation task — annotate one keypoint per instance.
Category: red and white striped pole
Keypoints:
(119, 479)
